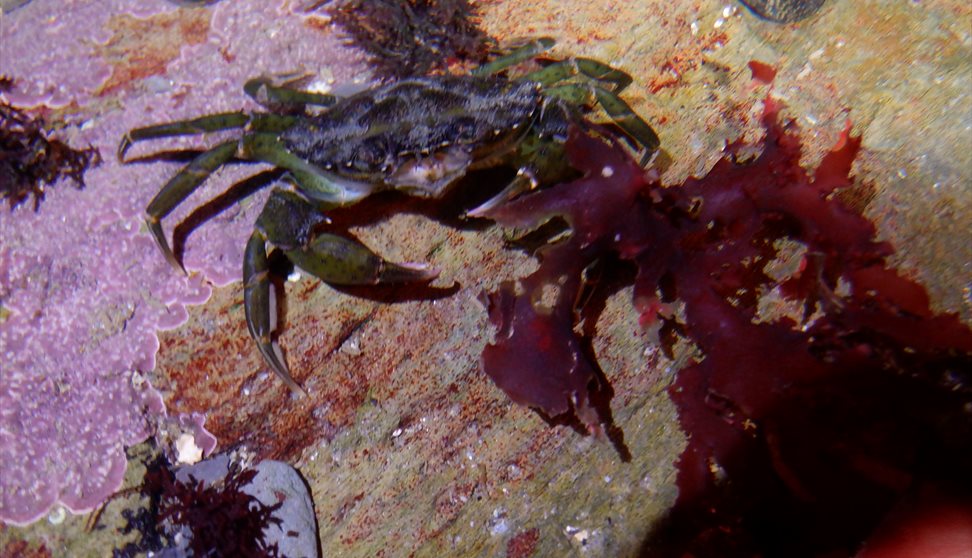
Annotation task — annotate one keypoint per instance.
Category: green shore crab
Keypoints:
(416, 135)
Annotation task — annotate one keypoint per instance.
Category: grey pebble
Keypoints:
(784, 11)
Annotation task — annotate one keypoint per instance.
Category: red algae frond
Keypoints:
(825, 420)
(537, 359)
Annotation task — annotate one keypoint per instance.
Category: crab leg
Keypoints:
(617, 109)
(267, 148)
(263, 91)
(204, 124)
(289, 222)
(178, 189)
(519, 55)
(211, 123)
(559, 71)
(258, 307)
(314, 182)
(629, 121)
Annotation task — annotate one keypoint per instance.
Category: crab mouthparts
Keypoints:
(428, 176)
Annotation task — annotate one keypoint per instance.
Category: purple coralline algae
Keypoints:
(83, 289)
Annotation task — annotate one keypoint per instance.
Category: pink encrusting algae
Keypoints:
(83, 288)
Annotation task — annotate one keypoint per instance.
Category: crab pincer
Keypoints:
(292, 224)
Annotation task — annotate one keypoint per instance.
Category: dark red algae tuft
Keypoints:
(212, 519)
(804, 430)
(29, 160)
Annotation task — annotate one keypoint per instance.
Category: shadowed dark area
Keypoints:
(398, 293)
(219, 204)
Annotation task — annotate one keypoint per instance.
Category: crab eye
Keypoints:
(369, 155)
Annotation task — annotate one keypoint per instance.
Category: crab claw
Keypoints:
(289, 222)
(342, 261)
(331, 258)
(155, 229)
(524, 181)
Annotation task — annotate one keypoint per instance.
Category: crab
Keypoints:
(417, 135)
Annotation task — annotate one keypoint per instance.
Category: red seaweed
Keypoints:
(763, 73)
(218, 519)
(803, 431)
(821, 425)
(537, 359)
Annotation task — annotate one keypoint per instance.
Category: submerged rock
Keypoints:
(784, 11)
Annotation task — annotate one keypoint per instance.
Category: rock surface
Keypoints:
(407, 447)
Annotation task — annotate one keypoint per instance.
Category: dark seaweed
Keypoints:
(30, 160)
(412, 37)
(218, 519)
